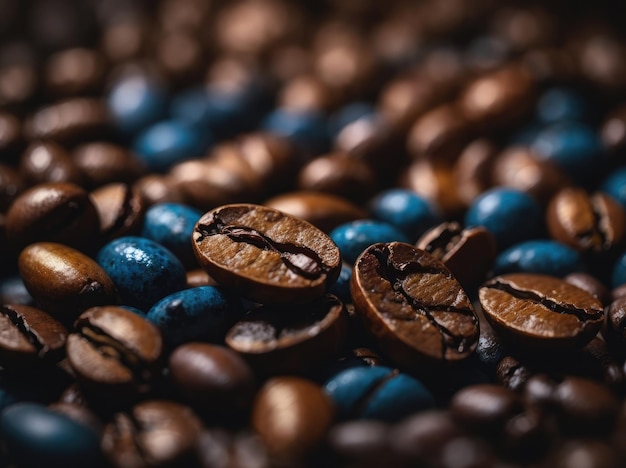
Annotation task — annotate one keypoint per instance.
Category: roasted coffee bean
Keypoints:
(28, 336)
(199, 277)
(485, 408)
(48, 162)
(292, 415)
(414, 307)
(120, 209)
(467, 253)
(540, 312)
(74, 72)
(377, 392)
(63, 442)
(220, 449)
(102, 163)
(363, 443)
(472, 169)
(70, 121)
(324, 210)
(290, 339)
(212, 378)
(339, 174)
(63, 281)
(267, 255)
(114, 351)
(55, 212)
(614, 330)
(153, 433)
(590, 284)
(588, 223)
(596, 453)
(156, 188)
(79, 413)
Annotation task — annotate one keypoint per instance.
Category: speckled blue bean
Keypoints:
(511, 216)
(561, 105)
(354, 237)
(135, 102)
(573, 146)
(341, 287)
(539, 256)
(169, 142)
(171, 225)
(204, 313)
(615, 185)
(387, 395)
(35, 436)
(307, 130)
(406, 210)
(142, 270)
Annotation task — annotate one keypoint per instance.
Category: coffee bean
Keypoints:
(540, 312)
(156, 188)
(204, 313)
(412, 304)
(364, 443)
(467, 253)
(114, 351)
(212, 378)
(588, 223)
(199, 277)
(63, 281)
(48, 162)
(267, 255)
(292, 415)
(142, 270)
(377, 393)
(354, 237)
(29, 336)
(120, 209)
(324, 210)
(472, 169)
(219, 449)
(590, 284)
(102, 163)
(543, 256)
(512, 373)
(285, 339)
(56, 212)
(485, 408)
(614, 330)
(152, 433)
(74, 72)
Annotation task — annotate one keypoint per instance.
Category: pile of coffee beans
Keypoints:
(339, 233)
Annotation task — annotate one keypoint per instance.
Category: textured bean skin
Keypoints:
(413, 305)
(264, 254)
(64, 281)
(541, 311)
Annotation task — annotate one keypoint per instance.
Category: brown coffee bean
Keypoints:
(56, 212)
(153, 433)
(467, 253)
(212, 378)
(412, 304)
(292, 416)
(29, 336)
(591, 284)
(120, 209)
(601, 61)
(306, 93)
(157, 188)
(437, 184)
(63, 281)
(280, 340)
(18, 84)
(588, 223)
(218, 448)
(614, 330)
(266, 255)
(48, 162)
(440, 134)
(540, 312)
(512, 373)
(76, 119)
(613, 130)
(499, 98)
(323, 210)
(74, 72)
(102, 163)
(199, 277)
(595, 453)
(339, 174)
(79, 413)
(519, 168)
(362, 442)
(114, 350)
(485, 408)
(472, 170)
